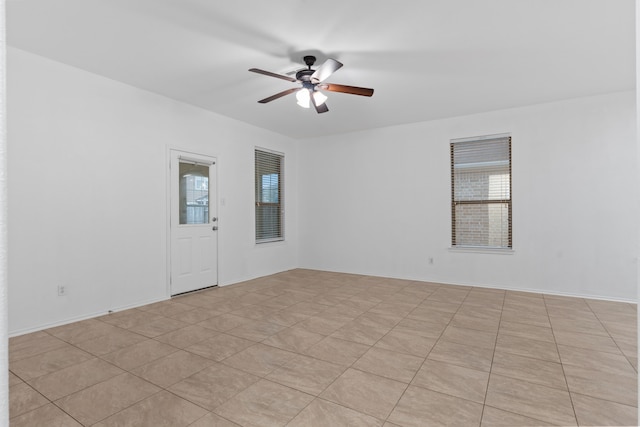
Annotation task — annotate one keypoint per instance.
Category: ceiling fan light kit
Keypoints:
(312, 83)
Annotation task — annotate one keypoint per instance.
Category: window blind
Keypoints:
(269, 191)
(481, 192)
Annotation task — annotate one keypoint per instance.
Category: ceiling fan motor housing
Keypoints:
(304, 75)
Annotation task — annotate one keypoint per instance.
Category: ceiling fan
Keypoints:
(312, 82)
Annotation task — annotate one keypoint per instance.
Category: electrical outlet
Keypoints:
(62, 290)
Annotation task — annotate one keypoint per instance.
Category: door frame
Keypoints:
(168, 154)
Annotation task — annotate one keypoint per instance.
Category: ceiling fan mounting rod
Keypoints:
(309, 60)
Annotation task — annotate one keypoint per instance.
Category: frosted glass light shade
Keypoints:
(303, 97)
(319, 97)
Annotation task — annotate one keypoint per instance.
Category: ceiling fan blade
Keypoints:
(353, 90)
(329, 67)
(269, 73)
(279, 95)
(322, 108)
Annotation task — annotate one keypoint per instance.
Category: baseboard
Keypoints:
(87, 316)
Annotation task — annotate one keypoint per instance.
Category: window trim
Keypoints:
(280, 203)
(509, 202)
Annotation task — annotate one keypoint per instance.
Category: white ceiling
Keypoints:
(425, 59)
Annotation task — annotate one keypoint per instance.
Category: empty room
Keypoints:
(296, 213)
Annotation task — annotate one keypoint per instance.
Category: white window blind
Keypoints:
(481, 192)
(269, 192)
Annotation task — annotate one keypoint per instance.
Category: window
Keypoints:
(269, 192)
(481, 192)
(194, 193)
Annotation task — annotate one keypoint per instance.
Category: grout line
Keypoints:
(573, 408)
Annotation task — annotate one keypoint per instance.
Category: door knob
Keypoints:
(214, 219)
(214, 228)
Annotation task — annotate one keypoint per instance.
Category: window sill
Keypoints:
(482, 250)
(270, 242)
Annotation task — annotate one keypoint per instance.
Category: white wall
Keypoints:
(88, 203)
(87, 192)
(378, 202)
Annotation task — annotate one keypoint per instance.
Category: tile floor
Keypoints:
(309, 348)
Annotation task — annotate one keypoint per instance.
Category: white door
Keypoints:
(193, 222)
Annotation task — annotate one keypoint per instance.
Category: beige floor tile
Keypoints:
(264, 403)
(596, 360)
(524, 368)
(324, 413)
(162, 409)
(593, 327)
(259, 359)
(254, 312)
(213, 386)
(470, 337)
(596, 412)
(315, 325)
(23, 398)
(25, 338)
(323, 326)
(458, 381)
(113, 341)
(33, 344)
(364, 392)
(184, 337)
(219, 347)
(139, 354)
(45, 416)
(285, 319)
(379, 320)
(628, 331)
(526, 347)
(389, 364)
(399, 308)
(256, 330)
(195, 315)
(406, 341)
(293, 339)
(531, 400)
(440, 306)
(14, 379)
(170, 369)
(337, 351)
(476, 323)
(157, 327)
(77, 332)
(213, 420)
(420, 407)
(487, 313)
(449, 294)
(224, 322)
(493, 417)
(518, 315)
(129, 318)
(588, 341)
(102, 400)
(428, 314)
(421, 328)
(167, 308)
(69, 380)
(306, 374)
(344, 309)
(628, 347)
(307, 307)
(603, 385)
(360, 333)
(462, 355)
(51, 361)
(524, 330)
